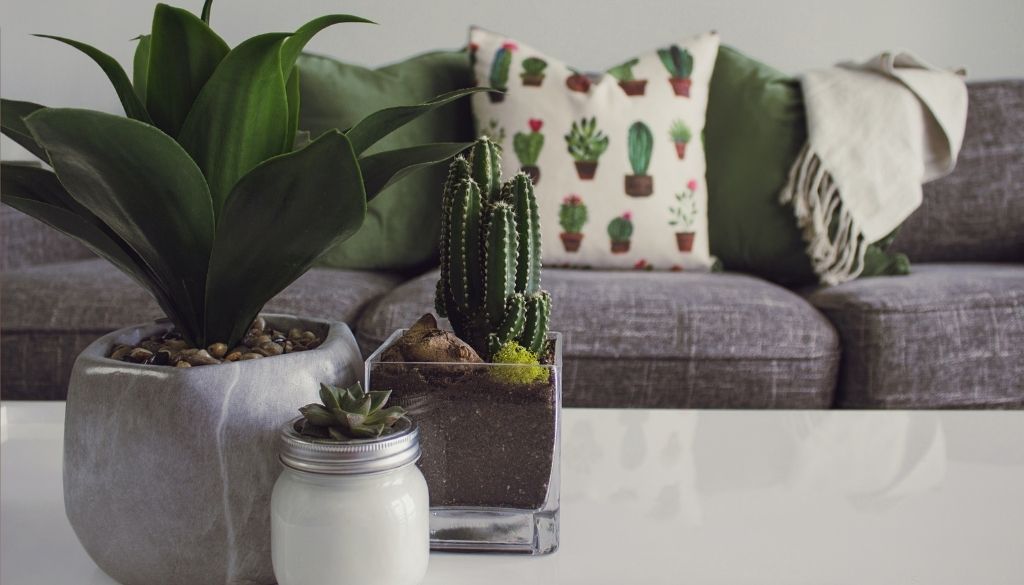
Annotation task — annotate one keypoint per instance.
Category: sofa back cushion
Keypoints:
(977, 212)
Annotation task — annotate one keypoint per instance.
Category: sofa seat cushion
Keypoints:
(666, 340)
(947, 335)
(50, 313)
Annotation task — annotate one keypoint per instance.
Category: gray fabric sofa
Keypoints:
(950, 335)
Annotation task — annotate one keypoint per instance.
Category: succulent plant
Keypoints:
(349, 413)
(572, 215)
(528, 146)
(624, 71)
(678, 62)
(586, 143)
(640, 145)
(185, 194)
(620, 229)
(679, 132)
(491, 256)
(501, 65)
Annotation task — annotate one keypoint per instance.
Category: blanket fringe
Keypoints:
(837, 253)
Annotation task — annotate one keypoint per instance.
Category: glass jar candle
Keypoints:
(350, 512)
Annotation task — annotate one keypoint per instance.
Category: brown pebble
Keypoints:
(261, 339)
(294, 333)
(313, 344)
(308, 336)
(233, 356)
(188, 352)
(202, 358)
(176, 344)
(218, 350)
(120, 352)
(139, 355)
(270, 349)
(250, 356)
(183, 364)
(288, 346)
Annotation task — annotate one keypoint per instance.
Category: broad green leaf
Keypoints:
(42, 185)
(12, 123)
(184, 52)
(284, 214)
(379, 124)
(133, 107)
(240, 118)
(146, 189)
(38, 193)
(140, 66)
(205, 15)
(384, 169)
(297, 40)
(290, 52)
(317, 415)
(292, 89)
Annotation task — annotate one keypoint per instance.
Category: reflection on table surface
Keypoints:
(683, 496)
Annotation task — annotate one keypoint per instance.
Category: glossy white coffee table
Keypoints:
(680, 497)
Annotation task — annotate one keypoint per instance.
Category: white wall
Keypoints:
(983, 35)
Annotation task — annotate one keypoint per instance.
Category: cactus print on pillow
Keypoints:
(616, 157)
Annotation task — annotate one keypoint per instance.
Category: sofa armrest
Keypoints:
(25, 241)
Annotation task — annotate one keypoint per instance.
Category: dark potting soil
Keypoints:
(485, 442)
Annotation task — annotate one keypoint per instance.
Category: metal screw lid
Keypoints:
(358, 456)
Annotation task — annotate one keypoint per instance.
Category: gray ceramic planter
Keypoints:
(168, 471)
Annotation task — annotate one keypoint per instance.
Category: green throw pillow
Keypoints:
(403, 222)
(755, 129)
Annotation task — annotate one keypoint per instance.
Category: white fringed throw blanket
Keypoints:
(876, 132)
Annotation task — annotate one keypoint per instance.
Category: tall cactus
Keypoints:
(640, 144)
(501, 65)
(491, 256)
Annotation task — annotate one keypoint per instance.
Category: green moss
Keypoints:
(527, 366)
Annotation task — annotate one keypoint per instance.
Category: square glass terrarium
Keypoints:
(490, 436)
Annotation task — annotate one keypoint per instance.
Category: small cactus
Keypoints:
(533, 71)
(620, 229)
(490, 256)
(501, 65)
(572, 215)
(528, 146)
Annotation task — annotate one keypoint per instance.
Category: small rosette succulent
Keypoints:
(349, 413)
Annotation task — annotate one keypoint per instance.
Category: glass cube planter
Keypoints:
(490, 437)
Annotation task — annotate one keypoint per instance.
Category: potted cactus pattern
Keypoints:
(684, 216)
(627, 81)
(572, 216)
(620, 230)
(578, 82)
(586, 144)
(528, 147)
(533, 71)
(640, 144)
(499, 71)
(680, 135)
(497, 375)
(679, 63)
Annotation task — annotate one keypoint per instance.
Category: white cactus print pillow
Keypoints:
(617, 159)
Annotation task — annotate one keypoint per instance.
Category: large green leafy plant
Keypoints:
(207, 194)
